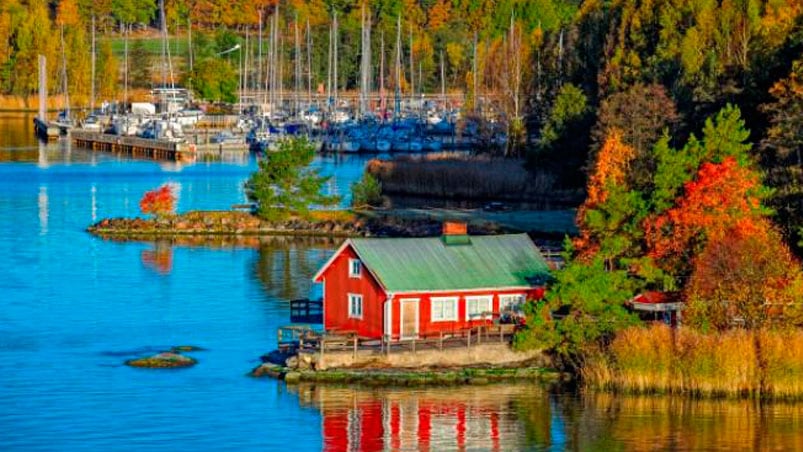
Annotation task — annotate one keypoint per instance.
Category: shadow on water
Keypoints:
(284, 266)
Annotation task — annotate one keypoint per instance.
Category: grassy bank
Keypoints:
(737, 363)
(459, 177)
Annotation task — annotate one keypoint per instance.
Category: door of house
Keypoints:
(409, 318)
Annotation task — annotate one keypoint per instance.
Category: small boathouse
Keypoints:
(397, 289)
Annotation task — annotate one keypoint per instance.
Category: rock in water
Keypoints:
(163, 360)
(186, 348)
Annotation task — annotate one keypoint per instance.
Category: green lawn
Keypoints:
(152, 45)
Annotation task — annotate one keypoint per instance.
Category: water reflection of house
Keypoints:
(414, 420)
(407, 288)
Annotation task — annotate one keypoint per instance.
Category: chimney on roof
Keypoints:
(455, 233)
(455, 228)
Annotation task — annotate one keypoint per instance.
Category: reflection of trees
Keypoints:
(159, 258)
(603, 421)
(285, 265)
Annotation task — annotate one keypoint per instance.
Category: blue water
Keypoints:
(74, 307)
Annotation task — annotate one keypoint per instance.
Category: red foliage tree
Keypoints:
(722, 198)
(161, 201)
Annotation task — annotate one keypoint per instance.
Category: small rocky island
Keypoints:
(340, 223)
(170, 359)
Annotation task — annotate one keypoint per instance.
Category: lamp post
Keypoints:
(240, 77)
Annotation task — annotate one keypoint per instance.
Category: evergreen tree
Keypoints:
(285, 185)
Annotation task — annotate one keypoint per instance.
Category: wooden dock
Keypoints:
(134, 146)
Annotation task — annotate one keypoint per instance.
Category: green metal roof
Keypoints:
(430, 264)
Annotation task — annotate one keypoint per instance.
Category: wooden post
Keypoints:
(323, 346)
(468, 341)
(355, 349)
(501, 336)
(413, 345)
(479, 335)
(440, 342)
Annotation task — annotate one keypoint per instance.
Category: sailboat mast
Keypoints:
(92, 95)
(329, 66)
(247, 51)
(259, 55)
(309, 64)
(126, 30)
(280, 55)
(64, 75)
(382, 105)
(298, 64)
(397, 106)
(474, 73)
(335, 43)
(412, 67)
(443, 83)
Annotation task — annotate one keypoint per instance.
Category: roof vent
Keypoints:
(455, 233)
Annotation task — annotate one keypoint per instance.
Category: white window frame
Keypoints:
(351, 298)
(489, 302)
(439, 300)
(516, 299)
(352, 273)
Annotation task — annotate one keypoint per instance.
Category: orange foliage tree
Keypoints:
(597, 217)
(158, 202)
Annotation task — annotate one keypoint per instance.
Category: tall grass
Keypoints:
(767, 363)
(451, 176)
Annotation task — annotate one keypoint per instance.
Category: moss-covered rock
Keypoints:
(292, 377)
(164, 360)
(267, 370)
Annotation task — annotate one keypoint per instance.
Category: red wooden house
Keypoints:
(404, 288)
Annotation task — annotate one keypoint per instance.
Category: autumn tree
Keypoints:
(782, 149)
(640, 114)
(745, 275)
(159, 202)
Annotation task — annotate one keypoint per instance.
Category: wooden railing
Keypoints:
(300, 338)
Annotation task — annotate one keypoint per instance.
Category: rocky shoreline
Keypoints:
(410, 377)
(322, 224)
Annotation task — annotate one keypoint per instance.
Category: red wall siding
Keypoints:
(337, 286)
(427, 327)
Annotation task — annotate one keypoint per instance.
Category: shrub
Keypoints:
(366, 192)
(159, 202)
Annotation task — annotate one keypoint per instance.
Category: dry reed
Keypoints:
(450, 176)
(735, 363)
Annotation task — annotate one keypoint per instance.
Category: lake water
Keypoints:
(73, 307)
